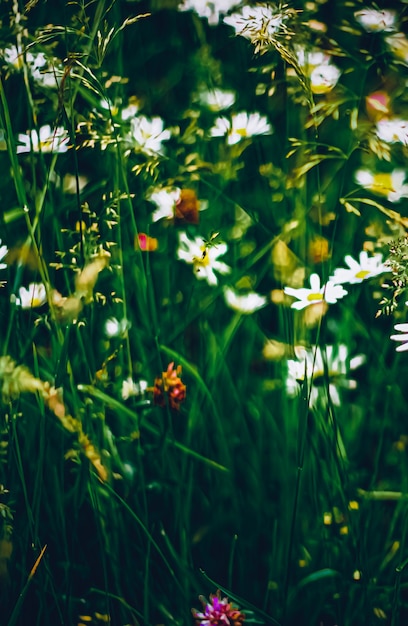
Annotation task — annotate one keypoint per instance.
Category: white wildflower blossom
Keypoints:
(32, 296)
(3, 253)
(116, 328)
(148, 134)
(130, 388)
(376, 21)
(260, 23)
(392, 185)
(241, 126)
(308, 59)
(357, 271)
(318, 66)
(217, 99)
(244, 303)
(323, 78)
(46, 140)
(165, 199)
(392, 130)
(129, 111)
(204, 258)
(329, 292)
(43, 71)
(398, 44)
(402, 336)
(325, 370)
(210, 9)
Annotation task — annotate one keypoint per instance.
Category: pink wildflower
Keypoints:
(218, 611)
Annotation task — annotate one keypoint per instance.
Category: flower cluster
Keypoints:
(356, 272)
(329, 292)
(317, 65)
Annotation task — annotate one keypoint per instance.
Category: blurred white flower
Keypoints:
(328, 292)
(217, 99)
(130, 388)
(211, 9)
(130, 111)
(260, 23)
(42, 71)
(376, 21)
(47, 140)
(204, 258)
(116, 328)
(391, 130)
(392, 185)
(398, 44)
(241, 126)
(318, 66)
(357, 271)
(148, 133)
(403, 337)
(32, 296)
(244, 303)
(323, 78)
(3, 252)
(309, 59)
(325, 371)
(165, 199)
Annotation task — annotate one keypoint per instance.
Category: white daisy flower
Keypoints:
(392, 130)
(241, 126)
(149, 133)
(32, 296)
(392, 185)
(210, 9)
(357, 271)
(244, 303)
(329, 292)
(217, 99)
(47, 140)
(165, 200)
(374, 21)
(325, 371)
(204, 258)
(403, 337)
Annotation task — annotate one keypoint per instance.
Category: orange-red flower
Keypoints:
(169, 386)
(146, 243)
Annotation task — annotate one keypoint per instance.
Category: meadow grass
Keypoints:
(203, 256)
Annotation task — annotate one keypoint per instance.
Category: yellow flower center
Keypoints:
(382, 183)
(203, 260)
(362, 274)
(314, 297)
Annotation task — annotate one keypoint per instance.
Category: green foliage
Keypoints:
(180, 412)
